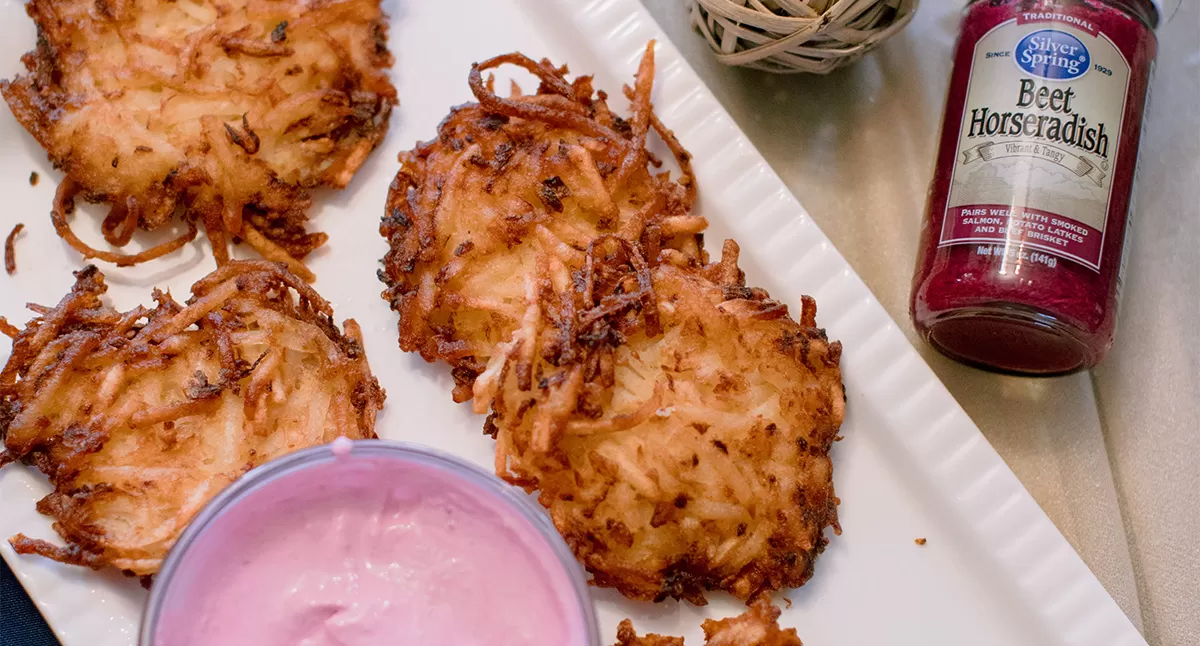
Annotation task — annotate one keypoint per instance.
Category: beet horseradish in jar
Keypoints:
(1021, 257)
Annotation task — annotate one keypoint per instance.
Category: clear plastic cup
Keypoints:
(520, 508)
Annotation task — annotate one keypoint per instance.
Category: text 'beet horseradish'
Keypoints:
(1021, 257)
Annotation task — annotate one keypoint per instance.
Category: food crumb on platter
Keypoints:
(758, 626)
(10, 249)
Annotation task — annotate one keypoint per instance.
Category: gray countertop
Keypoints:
(1113, 456)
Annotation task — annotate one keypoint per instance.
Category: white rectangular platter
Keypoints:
(995, 571)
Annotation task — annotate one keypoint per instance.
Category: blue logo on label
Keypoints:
(1053, 54)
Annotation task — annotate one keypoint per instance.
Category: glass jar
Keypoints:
(1021, 253)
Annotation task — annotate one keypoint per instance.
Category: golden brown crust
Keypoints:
(138, 418)
(505, 180)
(227, 112)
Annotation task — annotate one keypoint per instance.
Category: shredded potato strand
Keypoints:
(64, 203)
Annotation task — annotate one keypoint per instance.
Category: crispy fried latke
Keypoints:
(510, 182)
(138, 418)
(676, 423)
(225, 111)
(758, 626)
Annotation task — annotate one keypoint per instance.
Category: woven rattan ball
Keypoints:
(788, 36)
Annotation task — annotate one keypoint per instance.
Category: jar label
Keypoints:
(1039, 134)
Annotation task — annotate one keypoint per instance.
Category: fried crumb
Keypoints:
(33, 178)
(758, 626)
(10, 251)
(919, 541)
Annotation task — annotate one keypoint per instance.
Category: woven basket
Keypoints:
(789, 36)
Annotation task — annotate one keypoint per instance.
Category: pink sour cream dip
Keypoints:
(370, 547)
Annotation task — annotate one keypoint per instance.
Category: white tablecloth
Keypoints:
(1113, 456)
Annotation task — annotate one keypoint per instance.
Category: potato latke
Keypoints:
(139, 418)
(226, 111)
(675, 423)
(506, 180)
